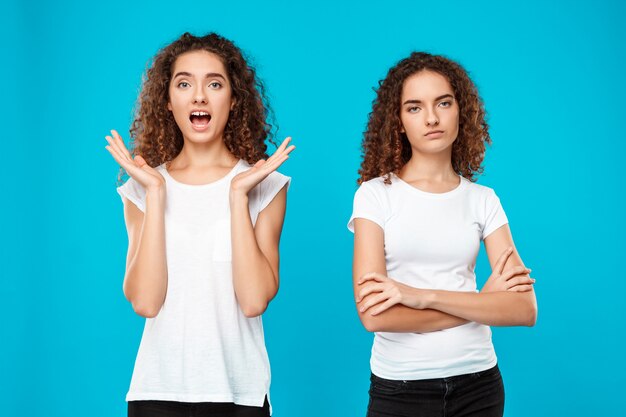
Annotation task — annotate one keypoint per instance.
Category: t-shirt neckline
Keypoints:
(209, 184)
(427, 194)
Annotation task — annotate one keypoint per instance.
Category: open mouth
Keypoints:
(199, 119)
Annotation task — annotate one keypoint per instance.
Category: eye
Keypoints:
(183, 84)
(445, 104)
(413, 109)
(215, 85)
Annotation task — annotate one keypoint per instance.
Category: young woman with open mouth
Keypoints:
(204, 211)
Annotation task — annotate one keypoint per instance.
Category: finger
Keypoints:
(275, 161)
(372, 301)
(371, 276)
(384, 306)
(516, 270)
(280, 149)
(118, 158)
(146, 167)
(114, 151)
(367, 290)
(282, 158)
(519, 280)
(115, 144)
(121, 143)
(283, 145)
(521, 288)
(259, 163)
(499, 266)
(289, 150)
(143, 164)
(140, 161)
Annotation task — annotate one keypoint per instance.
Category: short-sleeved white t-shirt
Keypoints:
(201, 347)
(431, 241)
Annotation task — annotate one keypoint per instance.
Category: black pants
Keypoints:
(480, 394)
(178, 409)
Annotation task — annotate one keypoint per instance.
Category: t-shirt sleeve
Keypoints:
(134, 192)
(270, 186)
(494, 214)
(368, 204)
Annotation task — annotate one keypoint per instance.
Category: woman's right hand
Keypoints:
(514, 279)
(137, 168)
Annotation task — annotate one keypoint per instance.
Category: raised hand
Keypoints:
(137, 168)
(514, 279)
(388, 293)
(245, 181)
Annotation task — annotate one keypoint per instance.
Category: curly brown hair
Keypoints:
(385, 149)
(154, 132)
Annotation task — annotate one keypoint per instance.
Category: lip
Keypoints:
(200, 128)
(434, 134)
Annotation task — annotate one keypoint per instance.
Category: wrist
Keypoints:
(428, 299)
(155, 195)
(237, 197)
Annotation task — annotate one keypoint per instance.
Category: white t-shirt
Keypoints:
(201, 347)
(431, 241)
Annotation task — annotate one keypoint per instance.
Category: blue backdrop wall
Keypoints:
(551, 75)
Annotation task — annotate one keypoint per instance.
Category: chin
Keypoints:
(200, 137)
(433, 149)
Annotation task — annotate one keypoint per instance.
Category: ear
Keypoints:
(232, 104)
(169, 106)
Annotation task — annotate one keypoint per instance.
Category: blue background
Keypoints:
(551, 75)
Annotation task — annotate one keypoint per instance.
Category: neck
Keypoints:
(203, 155)
(431, 167)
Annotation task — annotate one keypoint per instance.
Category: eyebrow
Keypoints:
(208, 75)
(420, 101)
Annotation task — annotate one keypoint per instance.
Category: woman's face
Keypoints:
(429, 112)
(200, 96)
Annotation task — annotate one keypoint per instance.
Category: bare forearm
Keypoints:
(402, 319)
(145, 283)
(254, 280)
(494, 309)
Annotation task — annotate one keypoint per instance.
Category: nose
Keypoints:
(199, 96)
(431, 118)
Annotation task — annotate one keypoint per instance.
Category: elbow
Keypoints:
(526, 316)
(147, 310)
(254, 304)
(531, 317)
(145, 303)
(370, 323)
(251, 310)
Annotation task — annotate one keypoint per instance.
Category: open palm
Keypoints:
(137, 168)
(247, 180)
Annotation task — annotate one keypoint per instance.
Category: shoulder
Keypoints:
(375, 185)
(374, 191)
(478, 190)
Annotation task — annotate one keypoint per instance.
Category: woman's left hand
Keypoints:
(245, 181)
(386, 293)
